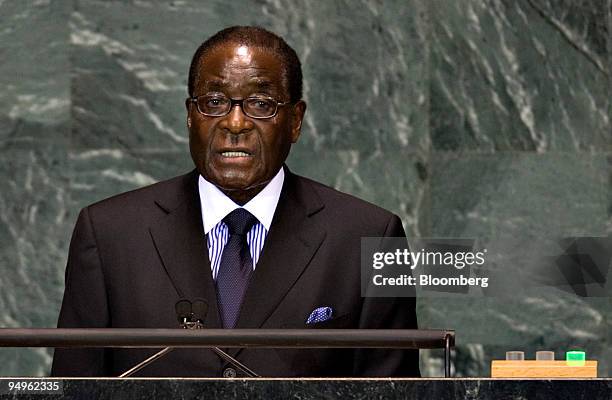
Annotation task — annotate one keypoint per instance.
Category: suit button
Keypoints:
(229, 373)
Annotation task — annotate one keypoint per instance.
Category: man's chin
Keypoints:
(233, 181)
(242, 192)
(244, 188)
(234, 184)
(228, 179)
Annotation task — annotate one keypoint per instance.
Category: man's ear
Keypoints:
(188, 106)
(296, 121)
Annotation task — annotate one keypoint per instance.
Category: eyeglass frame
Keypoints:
(239, 102)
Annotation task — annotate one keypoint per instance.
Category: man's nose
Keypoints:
(236, 121)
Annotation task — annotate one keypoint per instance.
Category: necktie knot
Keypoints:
(239, 221)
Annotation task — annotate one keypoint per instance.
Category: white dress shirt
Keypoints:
(216, 206)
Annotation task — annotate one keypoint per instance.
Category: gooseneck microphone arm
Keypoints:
(191, 316)
(146, 362)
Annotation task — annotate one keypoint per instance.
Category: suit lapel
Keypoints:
(291, 243)
(179, 239)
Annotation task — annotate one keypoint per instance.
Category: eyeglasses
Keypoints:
(215, 105)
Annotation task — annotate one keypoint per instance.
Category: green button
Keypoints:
(575, 358)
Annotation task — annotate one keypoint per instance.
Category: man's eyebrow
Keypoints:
(263, 84)
(221, 84)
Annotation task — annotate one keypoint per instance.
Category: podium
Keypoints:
(228, 338)
(278, 388)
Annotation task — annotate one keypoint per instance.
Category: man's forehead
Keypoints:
(239, 56)
(231, 65)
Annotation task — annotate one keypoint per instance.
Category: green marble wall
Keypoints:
(483, 118)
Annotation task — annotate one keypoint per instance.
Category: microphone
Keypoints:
(183, 310)
(199, 309)
(191, 315)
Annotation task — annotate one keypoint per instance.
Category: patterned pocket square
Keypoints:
(319, 315)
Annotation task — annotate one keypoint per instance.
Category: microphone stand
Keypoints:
(227, 358)
(187, 324)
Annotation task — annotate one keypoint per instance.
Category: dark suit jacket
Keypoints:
(134, 255)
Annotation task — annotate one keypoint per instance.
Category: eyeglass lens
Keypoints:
(257, 107)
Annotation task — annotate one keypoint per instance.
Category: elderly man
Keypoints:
(264, 247)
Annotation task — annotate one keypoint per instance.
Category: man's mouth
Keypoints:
(234, 154)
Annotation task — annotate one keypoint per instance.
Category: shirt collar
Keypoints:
(216, 205)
